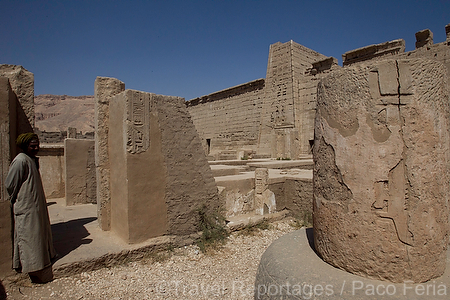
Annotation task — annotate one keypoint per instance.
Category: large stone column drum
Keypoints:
(381, 183)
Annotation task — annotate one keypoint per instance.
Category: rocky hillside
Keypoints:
(57, 113)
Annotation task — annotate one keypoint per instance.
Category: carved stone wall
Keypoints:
(160, 177)
(268, 117)
(105, 88)
(229, 119)
(287, 65)
(264, 198)
(381, 169)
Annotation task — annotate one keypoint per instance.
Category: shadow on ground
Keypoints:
(68, 236)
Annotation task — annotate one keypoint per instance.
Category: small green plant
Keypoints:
(214, 232)
(245, 157)
(283, 158)
(303, 219)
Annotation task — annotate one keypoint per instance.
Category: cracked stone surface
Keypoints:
(381, 170)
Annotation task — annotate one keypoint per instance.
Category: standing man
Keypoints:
(33, 244)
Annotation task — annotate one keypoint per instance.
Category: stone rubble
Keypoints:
(187, 273)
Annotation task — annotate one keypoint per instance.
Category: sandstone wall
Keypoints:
(381, 169)
(287, 65)
(267, 117)
(105, 88)
(58, 137)
(160, 177)
(22, 84)
(305, 108)
(7, 149)
(229, 119)
(52, 169)
(80, 173)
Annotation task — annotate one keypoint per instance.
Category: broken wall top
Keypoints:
(22, 83)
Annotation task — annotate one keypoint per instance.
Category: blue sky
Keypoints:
(192, 48)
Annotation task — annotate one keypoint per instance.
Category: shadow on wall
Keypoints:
(310, 237)
(68, 236)
(2, 291)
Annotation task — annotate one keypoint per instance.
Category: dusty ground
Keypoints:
(181, 273)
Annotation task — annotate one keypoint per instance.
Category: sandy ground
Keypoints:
(181, 273)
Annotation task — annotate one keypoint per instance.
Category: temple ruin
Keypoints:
(265, 118)
(156, 160)
(381, 174)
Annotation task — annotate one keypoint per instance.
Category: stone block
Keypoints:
(51, 161)
(8, 131)
(80, 172)
(22, 84)
(8, 150)
(264, 198)
(382, 170)
(424, 38)
(376, 51)
(105, 88)
(160, 177)
(6, 242)
(71, 133)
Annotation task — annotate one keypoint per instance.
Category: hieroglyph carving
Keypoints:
(138, 120)
(264, 198)
(393, 89)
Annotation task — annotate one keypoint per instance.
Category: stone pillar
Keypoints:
(71, 133)
(160, 177)
(447, 31)
(381, 175)
(22, 84)
(264, 198)
(7, 150)
(80, 171)
(424, 38)
(105, 88)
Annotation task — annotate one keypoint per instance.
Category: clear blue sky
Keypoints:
(192, 48)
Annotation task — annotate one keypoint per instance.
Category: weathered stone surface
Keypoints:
(381, 170)
(51, 162)
(80, 171)
(447, 31)
(371, 52)
(22, 84)
(160, 177)
(296, 196)
(223, 125)
(71, 133)
(105, 88)
(271, 117)
(284, 131)
(7, 150)
(424, 38)
(238, 196)
(264, 198)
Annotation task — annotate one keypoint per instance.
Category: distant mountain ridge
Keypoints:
(57, 113)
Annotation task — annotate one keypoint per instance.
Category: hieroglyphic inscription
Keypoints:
(138, 132)
(390, 201)
(261, 180)
(390, 195)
